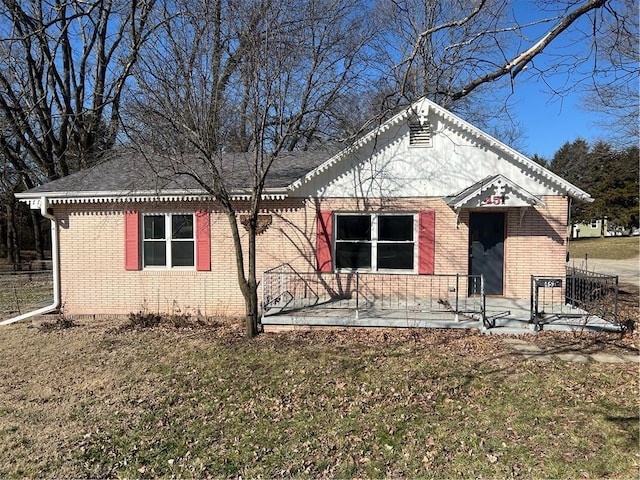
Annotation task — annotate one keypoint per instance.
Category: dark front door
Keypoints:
(486, 250)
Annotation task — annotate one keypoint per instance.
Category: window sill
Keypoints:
(377, 272)
(169, 271)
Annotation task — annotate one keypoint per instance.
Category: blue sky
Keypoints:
(548, 121)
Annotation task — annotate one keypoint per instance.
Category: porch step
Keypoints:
(512, 323)
(577, 326)
(509, 331)
(386, 322)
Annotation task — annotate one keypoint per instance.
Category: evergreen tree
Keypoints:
(610, 176)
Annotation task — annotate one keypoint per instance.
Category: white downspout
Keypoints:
(44, 205)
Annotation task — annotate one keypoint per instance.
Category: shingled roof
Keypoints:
(129, 173)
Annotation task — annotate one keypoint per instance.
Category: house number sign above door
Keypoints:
(493, 200)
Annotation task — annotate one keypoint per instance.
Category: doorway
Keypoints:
(486, 250)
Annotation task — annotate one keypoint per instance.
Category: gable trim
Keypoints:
(463, 198)
(423, 107)
(133, 197)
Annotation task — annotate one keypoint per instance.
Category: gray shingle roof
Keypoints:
(128, 171)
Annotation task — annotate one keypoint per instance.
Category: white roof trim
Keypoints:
(426, 105)
(34, 199)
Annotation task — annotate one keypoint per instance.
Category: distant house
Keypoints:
(595, 228)
(424, 194)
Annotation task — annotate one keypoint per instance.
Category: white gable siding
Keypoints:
(390, 167)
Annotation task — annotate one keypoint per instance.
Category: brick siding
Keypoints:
(94, 280)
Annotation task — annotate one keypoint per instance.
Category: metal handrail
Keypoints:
(284, 289)
(579, 293)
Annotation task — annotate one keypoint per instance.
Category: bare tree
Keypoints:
(8, 227)
(64, 66)
(262, 78)
(613, 91)
(469, 56)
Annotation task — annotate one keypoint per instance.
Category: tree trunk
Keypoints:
(251, 299)
(248, 286)
(38, 239)
(251, 306)
(4, 251)
(13, 247)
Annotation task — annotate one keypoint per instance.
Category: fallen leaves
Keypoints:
(195, 403)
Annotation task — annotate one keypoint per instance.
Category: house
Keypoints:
(594, 229)
(425, 195)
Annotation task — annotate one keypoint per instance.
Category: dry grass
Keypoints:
(99, 400)
(613, 248)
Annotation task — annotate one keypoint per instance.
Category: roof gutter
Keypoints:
(44, 206)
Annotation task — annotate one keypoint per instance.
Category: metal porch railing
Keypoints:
(580, 294)
(406, 295)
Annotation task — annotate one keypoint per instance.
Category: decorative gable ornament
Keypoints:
(491, 192)
(420, 128)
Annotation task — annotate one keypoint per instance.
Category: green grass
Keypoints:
(92, 401)
(614, 248)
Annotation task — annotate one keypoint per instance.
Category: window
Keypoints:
(168, 241)
(375, 242)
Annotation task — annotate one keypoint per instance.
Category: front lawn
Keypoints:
(100, 401)
(613, 248)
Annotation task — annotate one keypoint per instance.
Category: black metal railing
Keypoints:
(579, 294)
(596, 293)
(413, 296)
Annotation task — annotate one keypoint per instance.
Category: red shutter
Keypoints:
(323, 241)
(131, 241)
(426, 242)
(203, 241)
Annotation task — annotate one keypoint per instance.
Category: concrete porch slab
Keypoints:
(511, 317)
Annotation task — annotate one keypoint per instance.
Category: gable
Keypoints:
(442, 158)
(496, 191)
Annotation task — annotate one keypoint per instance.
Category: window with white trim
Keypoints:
(375, 242)
(168, 240)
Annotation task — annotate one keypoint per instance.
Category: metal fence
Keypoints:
(596, 293)
(415, 296)
(25, 287)
(31, 266)
(580, 294)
